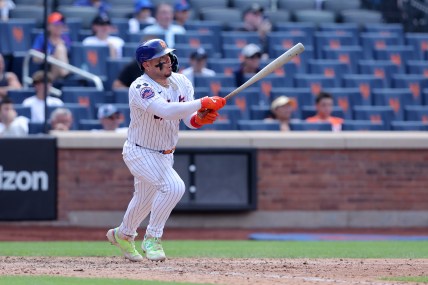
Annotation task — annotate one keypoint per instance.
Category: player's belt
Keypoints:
(167, 151)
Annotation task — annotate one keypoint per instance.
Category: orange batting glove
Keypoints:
(204, 117)
(213, 103)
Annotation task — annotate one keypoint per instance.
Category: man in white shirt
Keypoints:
(11, 125)
(198, 62)
(102, 28)
(164, 25)
(142, 16)
(37, 102)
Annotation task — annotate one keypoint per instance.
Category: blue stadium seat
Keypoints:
(92, 124)
(231, 113)
(114, 67)
(366, 84)
(302, 97)
(372, 41)
(297, 28)
(415, 83)
(243, 100)
(383, 69)
(417, 67)
(121, 26)
(258, 125)
(183, 51)
(419, 41)
(385, 28)
(395, 54)
(19, 95)
(15, 35)
(79, 112)
(286, 40)
(137, 38)
(223, 65)
(314, 16)
(331, 68)
(232, 52)
(409, 126)
(90, 58)
(240, 39)
(36, 128)
(265, 86)
(316, 82)
(120, 96)
(397, 99)
(357, 125)
(375, 114)
(203, 27)
(340, 28)
(260, 112)
(347, 54)
(219, 125)
(298, 64)
(332, 40)
(215, 83)
(309, 111)
(23, 110)
(416, 113)
(84, 96)
(194, 39)
(425, 96)
(129, 49)
(306, 126)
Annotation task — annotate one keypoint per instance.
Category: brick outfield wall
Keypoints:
(305, 180)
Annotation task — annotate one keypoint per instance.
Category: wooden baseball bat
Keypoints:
(268, 69)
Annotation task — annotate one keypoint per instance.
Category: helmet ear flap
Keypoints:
(174, 62)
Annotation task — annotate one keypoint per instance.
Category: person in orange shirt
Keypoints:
(324, 107)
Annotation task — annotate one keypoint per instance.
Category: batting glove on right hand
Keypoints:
(213, 103)
(204, 118)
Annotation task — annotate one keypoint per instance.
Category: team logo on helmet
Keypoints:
(163, 44)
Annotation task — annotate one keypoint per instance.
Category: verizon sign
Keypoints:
(28, 178)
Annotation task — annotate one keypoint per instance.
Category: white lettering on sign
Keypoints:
(23, 180)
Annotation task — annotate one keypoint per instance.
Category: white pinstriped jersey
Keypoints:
(146, 129)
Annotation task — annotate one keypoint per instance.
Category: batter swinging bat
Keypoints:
(268, 69)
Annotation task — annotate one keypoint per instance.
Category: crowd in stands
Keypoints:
(363, 68)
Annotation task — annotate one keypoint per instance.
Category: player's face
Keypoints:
(161, 67)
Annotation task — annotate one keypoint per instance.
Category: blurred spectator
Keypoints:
(198, 63)
(37, 102)
(111, 118)
(5, 7)
(181, 12)
(61, 119)
(255, 21)
(102, 29)
(8, 80)
(282, 109)
(324, 107)
(142, 16)
(250, 65)
(164, 25)
(128, 74)
(101, 5)
(58, 43)
(11, 125)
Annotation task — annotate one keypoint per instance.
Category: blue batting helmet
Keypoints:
(151, 49)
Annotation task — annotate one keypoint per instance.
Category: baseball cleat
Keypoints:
(125, 243)
(153, 248)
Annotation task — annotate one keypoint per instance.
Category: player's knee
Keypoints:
(179, 188)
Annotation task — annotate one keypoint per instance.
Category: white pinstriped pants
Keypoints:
(158, 189)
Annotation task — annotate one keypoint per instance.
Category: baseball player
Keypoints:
(158, 100)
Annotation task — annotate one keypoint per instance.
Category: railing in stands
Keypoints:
(26, 79)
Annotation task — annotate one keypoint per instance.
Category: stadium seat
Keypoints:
(195, 39)
(231, 113)
(223, 15)
(84, 13)
(240, 39)
(419, 67)
(306, 126)
(298, 64)
(121, 26)
(419, 41)
(347, 54)
(338, 6)
(120, 96)
(264, 87)
(19, 95)
(295, 5)
(79, 112)
(383, 69)
(121, 12)
(15, 35)
(243, 4)
(309, 111)
(361, 16)
(260, 112)
(36, 128)
(366, 84)
(316, 82)
(340, 28)
(27, 12)
(202, 27)
(333, 40)
(129, 49)
(140, 37)
(114, 67)
(258, 125)
(416, 113)
(219, 125)
(358, 125)
(395, 54)
(409, 126)
(91, 124)
(84, 96)
(243, 100)
(384, 114)
(223, 65)
(286, 40)
(385, 29)
(378, 41)
(215, 83)
(296, 28)
(415, 83)
(331, 68)
(396, 98)
(278, 16)
(317, 17)
(24, 111)
(90, 58)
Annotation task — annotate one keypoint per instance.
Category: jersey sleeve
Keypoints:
(189, 90)
(142, 95)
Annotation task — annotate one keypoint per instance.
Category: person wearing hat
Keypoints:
(142, 16)
(282, 109)
(251, 58)
(59, 44)
(254, 20)
(164, 25)
(181, 12)
(102, 28)
(102, 6)
(198, 63)
(111, 118)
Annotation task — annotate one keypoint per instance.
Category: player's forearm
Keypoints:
(174, 110)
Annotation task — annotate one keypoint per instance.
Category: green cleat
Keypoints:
(153, 248)
(125, 243)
